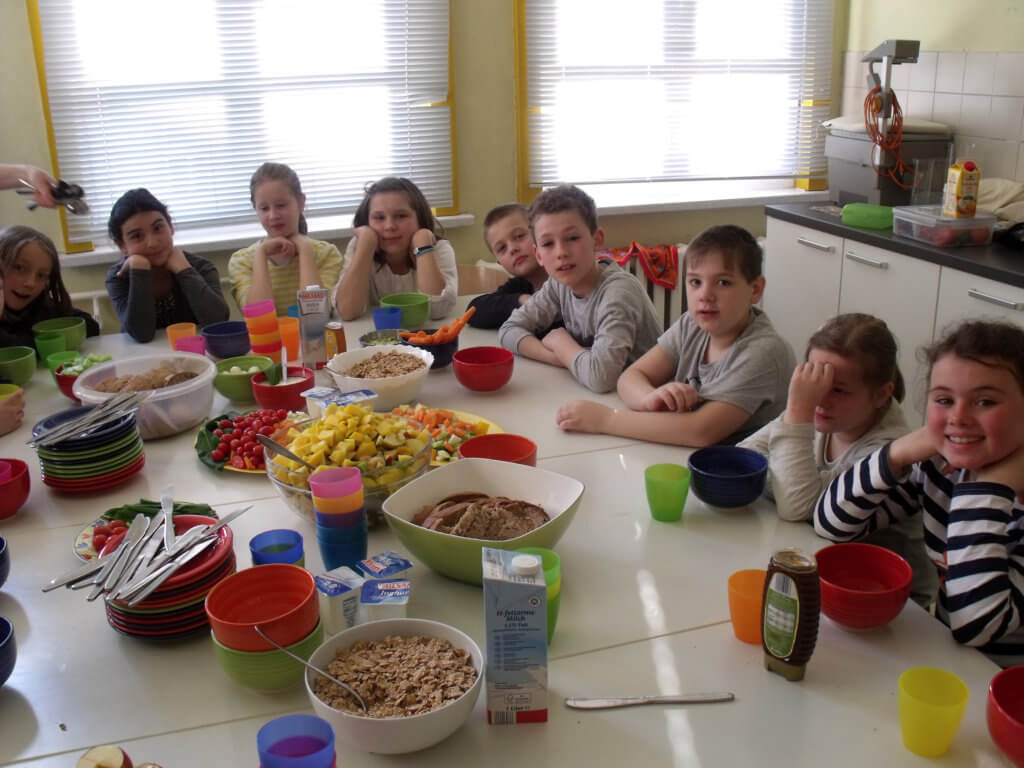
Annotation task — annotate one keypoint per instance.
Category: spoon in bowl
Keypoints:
(345, 686)
(278, 448)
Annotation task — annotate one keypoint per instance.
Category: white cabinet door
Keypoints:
(900, 290)
(962, 296)
(802, 268)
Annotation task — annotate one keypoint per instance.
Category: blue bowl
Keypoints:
(727, 476)
(227, 339)
(442, 352)
(5, 561)
(8, 649)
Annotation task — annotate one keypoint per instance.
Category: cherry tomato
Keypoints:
(224, 423)
(238, 462)
(98, 540)
(112, 543)
(103, 530)
(266, 430)
(257, 451)
(281, 414)
(219, 432)
(217, 455)
(116, 525)
(235, 443)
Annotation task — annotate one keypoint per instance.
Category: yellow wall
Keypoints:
(940, 25)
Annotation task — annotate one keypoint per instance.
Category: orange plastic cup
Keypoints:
(263, 339)
(178, 330)
(746, 592)
(290, 335)
(261, 325)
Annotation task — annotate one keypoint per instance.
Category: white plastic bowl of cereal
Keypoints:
(392, 388)
(389, 732)
(389, 450)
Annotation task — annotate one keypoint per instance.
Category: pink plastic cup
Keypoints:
(336, 482)
(196, 344)
(258, 308)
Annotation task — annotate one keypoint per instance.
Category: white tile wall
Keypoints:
(980, 95)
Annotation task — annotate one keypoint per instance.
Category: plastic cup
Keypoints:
(336, 482)
(293, 310)
(932, 703)
(280, 545)
(49, 343)
(258, 308)
(667, 486)
(57, 359)
(342, 546)
(746, 593)
(290, 335)
(385, 318)
(552, 565)
(196, 344)
(296, 741)
(178, 331)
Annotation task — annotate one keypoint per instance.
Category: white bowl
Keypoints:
(391, 391)
(395, 735)
(167, 411)
(458, 557)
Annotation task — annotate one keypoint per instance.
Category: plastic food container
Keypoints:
(167, 411)
(927, 224)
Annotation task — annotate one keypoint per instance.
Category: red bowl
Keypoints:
(66, 383)
(483, 369)
(501, 446)
(1005, 713)
(862, 586)
(280, 598)
(15, 489)
(287, 396)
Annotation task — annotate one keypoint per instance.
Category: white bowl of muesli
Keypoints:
(394, 371)
(420, 680)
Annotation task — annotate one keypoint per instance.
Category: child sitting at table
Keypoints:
(844, 403)
(33, 288)
(719, 373)
(507, 236)
(157, 284)
(12, 407)
(963, 472)
(286, 260)
(398, 247)
(609, 320)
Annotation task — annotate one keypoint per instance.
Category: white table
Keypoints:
(644, 610)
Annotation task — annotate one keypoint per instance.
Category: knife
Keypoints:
(159, 577)
(628, 701)
(109, 562)
(146, 549)
(86, 569)
(135, 533)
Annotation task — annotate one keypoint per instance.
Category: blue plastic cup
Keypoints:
(342, 546)
(296, 741)
(386, 318)
(343, 520)
(277, 546)
(293, 310)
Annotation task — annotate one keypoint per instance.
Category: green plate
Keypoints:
(91, 470)
(45, 453)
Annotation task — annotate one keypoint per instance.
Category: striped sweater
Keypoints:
(973, 532)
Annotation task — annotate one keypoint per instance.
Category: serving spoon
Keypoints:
(345, 686)
(278, 448)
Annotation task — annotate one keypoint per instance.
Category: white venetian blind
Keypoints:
(189, 97)
(670, 90)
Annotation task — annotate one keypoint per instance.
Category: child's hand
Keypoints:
(421, 239)
(177, 261)
(912, 448)
(583, 416)
(673, 396)
(12, 411)
(302, 244)
(366, 237)
(1007, 471)
(133, 261)
(808, 387)
(279, 250)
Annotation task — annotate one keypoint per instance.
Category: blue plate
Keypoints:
(100, 437)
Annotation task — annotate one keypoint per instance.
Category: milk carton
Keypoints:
(338, 593)
(515, 621)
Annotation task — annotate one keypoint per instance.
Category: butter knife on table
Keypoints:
(612, 702)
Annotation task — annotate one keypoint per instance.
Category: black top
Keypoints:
(493, 309)
(16, 327)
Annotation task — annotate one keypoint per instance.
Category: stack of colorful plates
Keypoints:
(176, 610)
(102, 459)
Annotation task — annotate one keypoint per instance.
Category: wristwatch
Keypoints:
(423, 249)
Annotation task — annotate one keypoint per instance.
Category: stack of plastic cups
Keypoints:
(264, 333)
(340, 515)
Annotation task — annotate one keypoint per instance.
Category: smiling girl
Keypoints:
(32, 286)
(286, 260)
(157, 284)
(397, 247)
(963, 472)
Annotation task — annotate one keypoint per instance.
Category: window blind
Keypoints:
(676, 90)
(188, 98)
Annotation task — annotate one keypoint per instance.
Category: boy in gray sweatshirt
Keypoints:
(609, 320)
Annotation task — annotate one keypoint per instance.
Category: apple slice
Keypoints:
(107, 756)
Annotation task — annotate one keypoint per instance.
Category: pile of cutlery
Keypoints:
(100, 416)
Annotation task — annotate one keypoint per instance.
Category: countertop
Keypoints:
(995, 261)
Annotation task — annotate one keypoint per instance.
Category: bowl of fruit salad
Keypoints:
(234, 376)
(390, 450)
(228, 441)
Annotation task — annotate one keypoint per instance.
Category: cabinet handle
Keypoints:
(816, 246)
(1000, 302)
(865, 260)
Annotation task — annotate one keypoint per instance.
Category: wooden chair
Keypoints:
(482, 277)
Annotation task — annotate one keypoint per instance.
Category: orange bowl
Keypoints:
(501, 446)
(14, 490)
(862, 586)
(280, 598)
(287, 396)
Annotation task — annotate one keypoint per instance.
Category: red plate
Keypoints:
(202, 564)
(170, 630)
(182, 597)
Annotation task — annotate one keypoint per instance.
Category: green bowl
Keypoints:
(267, 670)
(73, 329)
(238, 386)
(57, 359)
(17, 364)
(415, 308)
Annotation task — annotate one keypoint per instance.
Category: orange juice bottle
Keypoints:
(961, 198)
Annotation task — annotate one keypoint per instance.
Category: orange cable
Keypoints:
(891, 141)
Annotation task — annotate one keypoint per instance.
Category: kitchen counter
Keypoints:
(995, 262)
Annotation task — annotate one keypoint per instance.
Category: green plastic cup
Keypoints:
(57, 359)
(667, 487)
(552, 565)
(50, 342)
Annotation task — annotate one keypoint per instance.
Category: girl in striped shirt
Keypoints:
(964, 472)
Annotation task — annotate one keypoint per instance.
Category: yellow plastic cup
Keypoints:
(932, 703)
(178, 331)
(746, 593)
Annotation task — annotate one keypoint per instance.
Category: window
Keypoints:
(188, 98)
(672, 90)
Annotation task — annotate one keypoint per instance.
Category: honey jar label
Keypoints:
(781, 615)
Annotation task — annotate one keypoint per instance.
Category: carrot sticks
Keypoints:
(442, 335)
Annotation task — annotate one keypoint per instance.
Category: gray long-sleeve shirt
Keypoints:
(615, 323)
(196, 298)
